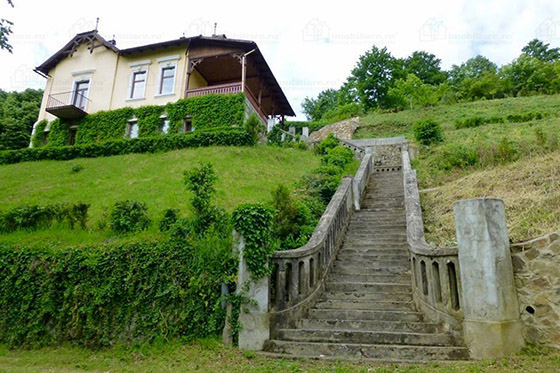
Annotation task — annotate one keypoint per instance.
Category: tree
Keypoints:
(18, 112)
(541, 51)
(411, 92)
(373, 76)
(528, 75)
(425, 66)
(473, 68)
(315, 109)
(5, 31)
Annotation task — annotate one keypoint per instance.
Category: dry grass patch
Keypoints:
(530, 189)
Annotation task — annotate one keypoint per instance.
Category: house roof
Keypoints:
(95, 40)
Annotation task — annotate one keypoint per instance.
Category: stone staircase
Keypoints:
(366, 311)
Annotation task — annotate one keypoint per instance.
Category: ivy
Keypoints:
(103, 126)
(39, 135)
(254, 223)
(113, 293)
(149, 121)
(58, 133)
(219, 136)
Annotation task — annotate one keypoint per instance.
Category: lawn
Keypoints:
(246, 175)
(210, 356)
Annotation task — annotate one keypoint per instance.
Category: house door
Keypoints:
(80, 94)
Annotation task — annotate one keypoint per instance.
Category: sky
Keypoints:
(309, 45)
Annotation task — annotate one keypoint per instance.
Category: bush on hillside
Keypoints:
(32, 217)
(255, 128)
(129, 216)
(427, 132)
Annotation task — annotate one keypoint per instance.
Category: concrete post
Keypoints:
(492, 326)
(305, 132)
(254, 317)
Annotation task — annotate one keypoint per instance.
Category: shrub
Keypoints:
(255, 128)
(129, 216)
(469, 122)
(201, 182)
(77, 168)
(427, 132)
(457, 155)
(328, 143)
(170, 217)
(338, 156)
(32, 217)
(220, 136)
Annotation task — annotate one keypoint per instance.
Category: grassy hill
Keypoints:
(518, 162)
(246, 174)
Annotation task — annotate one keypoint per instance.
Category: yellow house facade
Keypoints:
(90, 74)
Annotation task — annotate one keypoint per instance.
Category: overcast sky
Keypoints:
(309, 45)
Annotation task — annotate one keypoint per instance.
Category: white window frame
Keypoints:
(138, 66)
(165, 62)
(131, 123)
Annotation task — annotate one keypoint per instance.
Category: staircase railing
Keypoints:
(299, 275)
(435, 271)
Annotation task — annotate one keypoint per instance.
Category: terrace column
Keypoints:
(492, 326)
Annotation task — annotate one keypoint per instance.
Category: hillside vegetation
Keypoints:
(245, 175)
(515, 159)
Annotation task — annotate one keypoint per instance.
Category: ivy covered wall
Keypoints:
(206, 112)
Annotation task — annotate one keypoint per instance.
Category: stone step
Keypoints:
(373, 263)
(368, 351)
(366, 337)
(344, 304)
(351, 296)
(379, 247)
(364, 315)
(399, 267)
(340, 270)
(367, 287)
(404, 279)
(372, 325)
(373, 255)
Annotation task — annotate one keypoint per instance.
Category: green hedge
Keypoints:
(107, 294)
(208, 111)
(219, 136)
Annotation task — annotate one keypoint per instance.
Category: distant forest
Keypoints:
(381, 81)
(18, 112)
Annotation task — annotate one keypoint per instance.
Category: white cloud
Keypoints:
(310, 46)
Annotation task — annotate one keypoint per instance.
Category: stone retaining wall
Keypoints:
(536, 265)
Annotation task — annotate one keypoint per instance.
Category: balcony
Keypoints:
(220, 89)
(68, 105)
(230, 88)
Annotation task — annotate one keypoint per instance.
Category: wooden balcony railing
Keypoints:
(221, 89)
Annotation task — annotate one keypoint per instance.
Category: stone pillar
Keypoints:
(254, 317)
(305, 132)
(492, 325)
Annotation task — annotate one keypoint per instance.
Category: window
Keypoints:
(167, 80)
(164, 128)
(72, 135)
(132, 129)
(138, 84)
(187, 125)
(79, 97)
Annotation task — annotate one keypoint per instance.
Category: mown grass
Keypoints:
(210, 356)
(246, 175)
